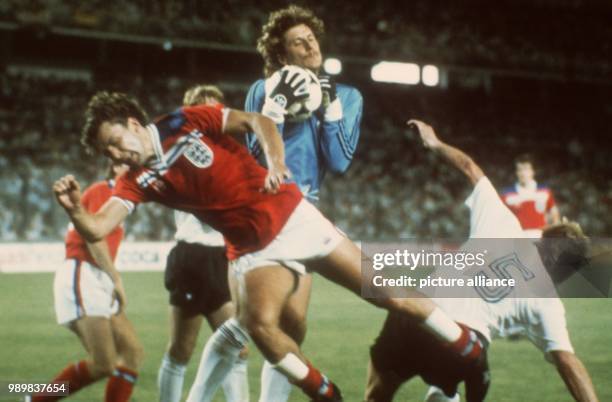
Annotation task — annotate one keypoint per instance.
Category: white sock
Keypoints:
(218, 358)
(292, 367)
(442, 325)
(170, 380)
(435, 394)
(275, 386)
(236, 383)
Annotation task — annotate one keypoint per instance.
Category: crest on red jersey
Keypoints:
(199, 154)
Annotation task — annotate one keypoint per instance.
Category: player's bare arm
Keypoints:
(93, 227)
(575, 376)
(454, 155)
(267, 134)
(100, 252)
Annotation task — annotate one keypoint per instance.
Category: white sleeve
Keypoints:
(129, 205)
(489, 216)
(548, 331)
(224, 112)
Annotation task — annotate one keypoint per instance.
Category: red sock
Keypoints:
(468, 345)
(120, 384)
(77, 376)
(316, 384)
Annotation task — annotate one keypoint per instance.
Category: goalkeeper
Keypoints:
(314, 144)
(324, 141)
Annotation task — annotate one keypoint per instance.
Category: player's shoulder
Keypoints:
(348, 91)
(258, 87)
(171, 123)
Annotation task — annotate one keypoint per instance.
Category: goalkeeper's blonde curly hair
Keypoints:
(270, 43)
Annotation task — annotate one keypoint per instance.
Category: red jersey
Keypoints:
(530, 204)
(93, 198)
(200, 170)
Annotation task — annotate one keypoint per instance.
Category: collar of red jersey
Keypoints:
(160, 158)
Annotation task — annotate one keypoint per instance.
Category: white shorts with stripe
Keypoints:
(307, 235)
(81, 289)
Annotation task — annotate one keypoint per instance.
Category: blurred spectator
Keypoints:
(388, 193)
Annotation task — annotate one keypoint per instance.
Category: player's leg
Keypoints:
(130, 356)
(184, 329)
(343, 266)
(236, 384)
(75, 293)
(223, 360)
(275, 387)
(96, 336)
(380, 387)
(262, 296)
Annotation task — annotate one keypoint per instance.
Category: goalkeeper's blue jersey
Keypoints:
(314, 146)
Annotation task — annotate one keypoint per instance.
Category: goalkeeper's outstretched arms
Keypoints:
(455, 156)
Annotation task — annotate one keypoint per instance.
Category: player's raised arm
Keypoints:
(454, 155)
(269, 138)
(93, 227)
(575, 376)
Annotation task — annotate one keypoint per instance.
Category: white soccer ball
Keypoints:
(301, 110)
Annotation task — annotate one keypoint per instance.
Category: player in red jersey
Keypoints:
(186, 161)
(90, 300)
(196, 277)
(532, 203)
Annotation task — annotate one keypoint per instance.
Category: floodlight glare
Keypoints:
(332, 66)
(400, 73)
(431, 75)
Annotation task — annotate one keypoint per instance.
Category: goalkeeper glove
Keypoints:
(290, 88)
(331, 103)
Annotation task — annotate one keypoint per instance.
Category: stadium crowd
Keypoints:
(520, 35)
(385, 195)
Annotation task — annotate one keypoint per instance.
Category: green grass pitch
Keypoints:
(341, 327)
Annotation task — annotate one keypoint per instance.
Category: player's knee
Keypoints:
(139, 354)
(296, 330)
(259, 325)
(181, 351)
(101, 369)
(132, 356)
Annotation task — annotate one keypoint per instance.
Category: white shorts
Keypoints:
(307, 235)
(81, 289)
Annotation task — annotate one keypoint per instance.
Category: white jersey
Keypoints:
(499, 312)
(191, 230)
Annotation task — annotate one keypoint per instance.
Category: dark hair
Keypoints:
(112, 107)
(270, 44)
(524, 158)
(564, 249)
(197, 94)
